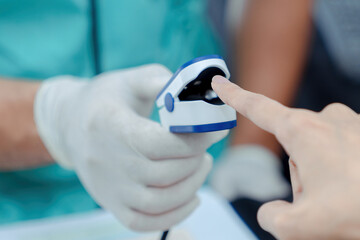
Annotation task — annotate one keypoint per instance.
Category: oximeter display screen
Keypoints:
(200, 87)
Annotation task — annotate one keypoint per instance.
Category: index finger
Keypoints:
(264, 112)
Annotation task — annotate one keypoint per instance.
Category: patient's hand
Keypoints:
(324, 149)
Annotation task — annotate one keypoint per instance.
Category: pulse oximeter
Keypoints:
(187, 104)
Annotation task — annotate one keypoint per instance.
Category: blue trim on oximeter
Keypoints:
(169, 102)
(203, 128)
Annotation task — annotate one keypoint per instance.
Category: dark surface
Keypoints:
(197, 88)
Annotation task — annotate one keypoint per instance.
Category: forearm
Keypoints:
(270, 53)
(20, 144)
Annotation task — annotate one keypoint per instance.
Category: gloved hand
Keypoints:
(249, 171)
(146, 176)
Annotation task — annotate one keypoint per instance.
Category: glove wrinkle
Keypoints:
(132, 166)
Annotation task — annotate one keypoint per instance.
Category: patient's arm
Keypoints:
(271, 50)
(20, 144)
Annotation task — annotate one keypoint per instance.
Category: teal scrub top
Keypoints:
(41, 39)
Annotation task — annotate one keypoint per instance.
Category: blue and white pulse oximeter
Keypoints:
(187, 104)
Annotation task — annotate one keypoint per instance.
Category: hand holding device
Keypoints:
(133, 167)
(189, 105)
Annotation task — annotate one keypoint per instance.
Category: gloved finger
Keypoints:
(157, 143)
(160, 200)
(149, 81)
(168, 172)
(144, 222)
(276, 217)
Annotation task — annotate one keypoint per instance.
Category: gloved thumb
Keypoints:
(277, 218)
(150, 80)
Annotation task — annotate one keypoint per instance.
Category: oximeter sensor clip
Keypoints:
(187, 104)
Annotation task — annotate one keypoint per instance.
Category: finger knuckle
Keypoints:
(301, 121)
(338, 111)
(334, 107)
(310, 124)
(283, 131)
(293, 123)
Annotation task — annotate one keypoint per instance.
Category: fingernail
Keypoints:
(219, 80)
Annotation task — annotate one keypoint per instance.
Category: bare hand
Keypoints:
(324, 149)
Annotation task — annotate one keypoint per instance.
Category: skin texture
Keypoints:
(20, 144)
(324, 152)
(270, 54)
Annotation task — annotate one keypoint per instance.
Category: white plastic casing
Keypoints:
(193, 116)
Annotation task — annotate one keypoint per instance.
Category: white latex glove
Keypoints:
(146, 176)
(249, 171)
